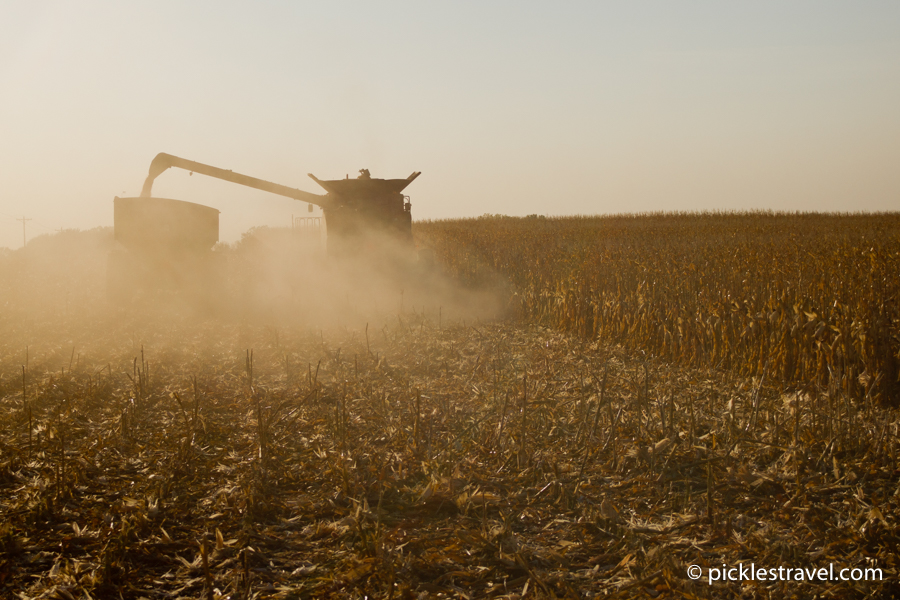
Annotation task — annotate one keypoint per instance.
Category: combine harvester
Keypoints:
(165, 244)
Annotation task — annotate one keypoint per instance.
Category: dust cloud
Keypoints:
(80, 296)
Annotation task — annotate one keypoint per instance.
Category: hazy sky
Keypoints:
(505, 107)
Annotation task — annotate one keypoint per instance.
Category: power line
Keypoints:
(47, 227)
(13, 218)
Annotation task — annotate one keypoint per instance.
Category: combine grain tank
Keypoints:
(363, 213)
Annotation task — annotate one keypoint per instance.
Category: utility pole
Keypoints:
(23, 219)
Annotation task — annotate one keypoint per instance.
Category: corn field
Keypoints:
(806, 299)
(444, 449)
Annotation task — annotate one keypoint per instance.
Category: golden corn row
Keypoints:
(811, 299)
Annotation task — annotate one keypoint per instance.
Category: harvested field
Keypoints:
(167, 455)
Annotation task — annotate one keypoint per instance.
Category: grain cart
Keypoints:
(163, 244)
(166, 244)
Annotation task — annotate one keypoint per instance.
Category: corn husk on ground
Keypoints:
(497, 458)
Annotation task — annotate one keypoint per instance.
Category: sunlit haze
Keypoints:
(505, 107)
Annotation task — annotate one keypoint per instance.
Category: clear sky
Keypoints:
(506, 107)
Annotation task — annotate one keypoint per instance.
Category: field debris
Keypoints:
(477, 460)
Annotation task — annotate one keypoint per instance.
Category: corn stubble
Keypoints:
(425, 456)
